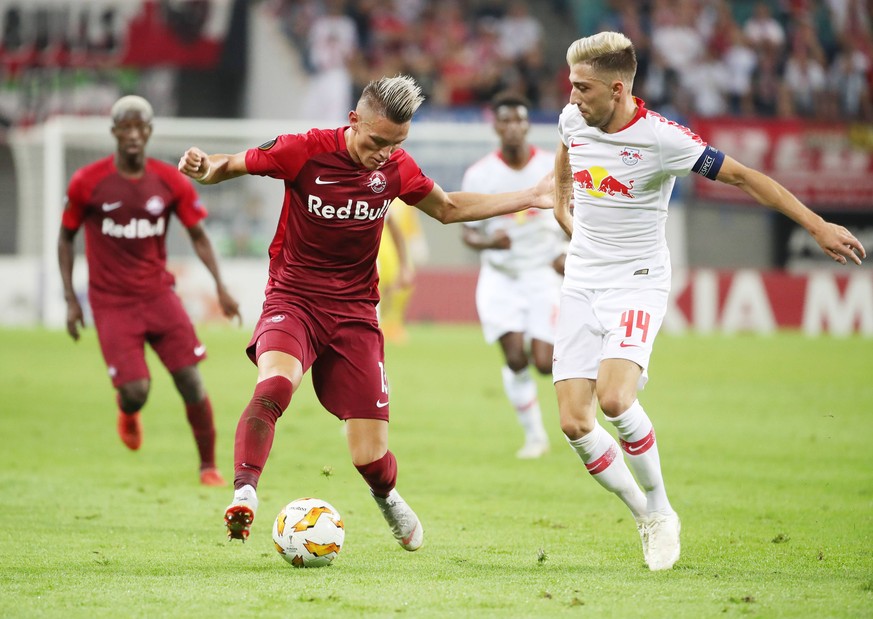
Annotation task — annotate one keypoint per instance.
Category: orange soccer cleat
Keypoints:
(211, 477)
(130, 430)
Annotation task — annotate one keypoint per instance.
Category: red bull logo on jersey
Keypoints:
(598, 182)
(377, 182)
(155, 206)
(135, 229)
(352, 209)
(630, 156)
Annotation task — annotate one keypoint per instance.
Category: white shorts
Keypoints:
(526, 303)
(616, 323)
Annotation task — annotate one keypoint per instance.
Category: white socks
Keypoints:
(247, 495)
(638, 442)
(602, 458)
(521, 389)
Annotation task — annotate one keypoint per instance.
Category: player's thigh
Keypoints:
(171, 334)
(579, 337)
(349, 375)
(121, 332)
(541, 288)
(632, 319)
(288, 329)
(500, 304)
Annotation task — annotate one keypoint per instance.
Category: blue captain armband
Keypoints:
(709, 163)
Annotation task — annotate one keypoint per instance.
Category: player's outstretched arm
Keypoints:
(836, 241)
(563, 189)
(211, 169)
(66, 255)
(458, 206)
(203, 248)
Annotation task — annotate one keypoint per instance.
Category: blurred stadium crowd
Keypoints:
(806, 58)
(771, 58)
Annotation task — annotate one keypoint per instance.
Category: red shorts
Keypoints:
(161, 321)
(346, 352)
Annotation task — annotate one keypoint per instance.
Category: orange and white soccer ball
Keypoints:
(308, 533)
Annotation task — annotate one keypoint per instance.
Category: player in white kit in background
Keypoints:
(518, 290)
(616, 164)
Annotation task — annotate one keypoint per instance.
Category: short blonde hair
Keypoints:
(608, 53)
(396, 98)
(132, 104)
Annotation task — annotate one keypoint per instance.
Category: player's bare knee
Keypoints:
(544, 367)
(577, 424)
(516, 361)
(365, 454)
(614, 404)
(576, 428)
(133, 395)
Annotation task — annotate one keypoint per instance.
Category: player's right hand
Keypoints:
(75, 318)
(193, 163)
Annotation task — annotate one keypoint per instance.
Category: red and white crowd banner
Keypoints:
(705, 301)
(829, 166)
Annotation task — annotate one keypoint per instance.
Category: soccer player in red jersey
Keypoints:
(320, 307)
(124, 201)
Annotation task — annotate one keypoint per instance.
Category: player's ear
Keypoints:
(353, 119)
(617, 89)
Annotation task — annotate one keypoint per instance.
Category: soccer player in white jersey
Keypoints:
(518, 290)
(616, 166)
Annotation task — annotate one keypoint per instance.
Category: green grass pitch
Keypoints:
(765, 443)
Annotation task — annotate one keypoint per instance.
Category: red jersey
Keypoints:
(333, 213)
(126, 224)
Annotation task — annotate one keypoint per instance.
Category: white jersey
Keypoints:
(621, 186)
(536, 237)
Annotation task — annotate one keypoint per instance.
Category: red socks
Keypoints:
(256, 427)
(203, 427)
(380, 475)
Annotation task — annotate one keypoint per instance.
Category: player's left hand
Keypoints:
(839, 244)
(228, 304)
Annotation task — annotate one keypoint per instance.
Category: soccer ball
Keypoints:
(308, 533)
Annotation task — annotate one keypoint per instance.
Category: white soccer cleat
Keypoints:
(643, 528)
(533, 449)
(240, 514)
(404, 524)
(663, 541)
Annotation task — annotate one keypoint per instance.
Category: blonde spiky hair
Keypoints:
(132, 104)
(396, 98)
(608, 53)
